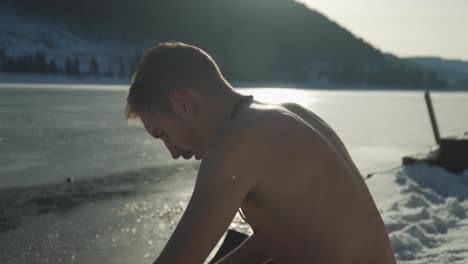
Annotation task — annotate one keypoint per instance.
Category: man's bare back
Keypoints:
(311, 204)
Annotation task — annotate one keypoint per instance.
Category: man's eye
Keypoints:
(160, 135)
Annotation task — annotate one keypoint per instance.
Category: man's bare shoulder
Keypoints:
(252, 128)
(301, 111)
(265, 120)
(262, 127)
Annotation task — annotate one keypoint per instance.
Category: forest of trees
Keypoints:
(27, 63)
(38, 63)
(253, 40)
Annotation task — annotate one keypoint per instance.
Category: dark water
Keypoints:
(17, 203)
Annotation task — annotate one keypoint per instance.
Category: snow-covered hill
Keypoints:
(21, 36)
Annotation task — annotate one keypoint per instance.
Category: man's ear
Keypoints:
(182, 102)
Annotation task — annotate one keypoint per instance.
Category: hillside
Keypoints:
(455, 72)
(253, 40)
(30, 45)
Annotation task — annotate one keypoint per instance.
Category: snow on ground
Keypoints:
(425, 211)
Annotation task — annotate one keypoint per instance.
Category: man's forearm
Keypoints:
(252, 250)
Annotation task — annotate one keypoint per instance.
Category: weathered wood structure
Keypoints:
(451, 152)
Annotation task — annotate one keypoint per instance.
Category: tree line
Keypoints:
(39, 63)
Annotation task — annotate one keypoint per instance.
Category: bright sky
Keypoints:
(404, 27)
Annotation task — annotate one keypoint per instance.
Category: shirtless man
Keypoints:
(281, 164)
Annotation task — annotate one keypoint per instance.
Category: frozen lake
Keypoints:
(128, 193)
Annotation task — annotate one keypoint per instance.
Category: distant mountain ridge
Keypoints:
(252, 40)
(455, 65)
(454, 71)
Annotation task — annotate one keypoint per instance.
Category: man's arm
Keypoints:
(252, 250)
(226, 175)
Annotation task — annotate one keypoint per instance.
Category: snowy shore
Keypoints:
(425, 211)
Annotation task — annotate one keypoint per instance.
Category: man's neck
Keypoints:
(217, 114)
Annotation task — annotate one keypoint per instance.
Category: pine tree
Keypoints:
(133, 64)
(76, 67)
(121, 68)
(8, 63)
(53, 67)
(110, 72)
(68, 67)
(94, 66)
(30, 64)
(40, 62)
(2, 59)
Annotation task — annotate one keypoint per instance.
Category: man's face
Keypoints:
(174, 132)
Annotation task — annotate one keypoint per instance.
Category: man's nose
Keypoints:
(173, 149)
